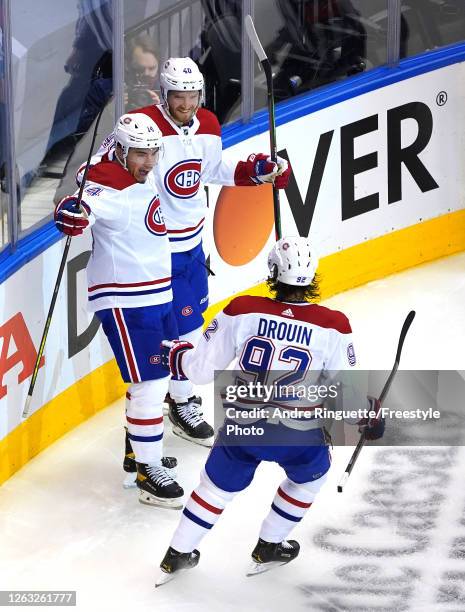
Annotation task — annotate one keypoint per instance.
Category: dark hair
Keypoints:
(291, 293)
(145, 42)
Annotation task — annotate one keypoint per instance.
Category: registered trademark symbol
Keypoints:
(441, 98)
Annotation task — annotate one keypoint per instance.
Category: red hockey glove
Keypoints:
(284, 172)
(70, 218)
(373, 427)
(171, 356)
(259, 169)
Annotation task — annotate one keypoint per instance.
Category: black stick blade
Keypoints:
(403, 332)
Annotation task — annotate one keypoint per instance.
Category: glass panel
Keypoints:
(208, 31)
(429, 24)
(315, 42)
(62, 76)
(3, 153)
(221, 46)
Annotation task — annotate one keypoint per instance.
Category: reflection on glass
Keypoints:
(208, 31)
(221, 45)
(429, 24)
(62, 76)
(3, 157)
(315, 42)
(141, 73)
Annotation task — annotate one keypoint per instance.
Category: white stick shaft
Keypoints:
(252, 34)
(342, 482)
(26, 406)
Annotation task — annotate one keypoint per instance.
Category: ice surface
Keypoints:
(394, 540)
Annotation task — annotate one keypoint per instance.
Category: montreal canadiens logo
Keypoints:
(155, 359)
(351, 354)
(154, 219)
(183, 179)
(187, 310)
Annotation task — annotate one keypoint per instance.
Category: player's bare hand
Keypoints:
(154, 96)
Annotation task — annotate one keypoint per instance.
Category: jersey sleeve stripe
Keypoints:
(186, 229)
(127, 285)
(184, 237)
(127, 293)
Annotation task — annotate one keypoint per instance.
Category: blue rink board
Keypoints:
(41, 239)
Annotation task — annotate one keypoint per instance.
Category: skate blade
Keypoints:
(208, 442)
(129, 481)
(261, 568)
(160, 502)
(163, 578)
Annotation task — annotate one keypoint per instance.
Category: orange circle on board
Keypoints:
(242, 222)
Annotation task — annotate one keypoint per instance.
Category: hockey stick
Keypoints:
(265, 62)
(384, 392)
(64, 257)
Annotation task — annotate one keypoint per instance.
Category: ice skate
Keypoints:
(173, 562)
(157, 487)
(130, 465)
(188, 423)
(267, 555)
(166, 404)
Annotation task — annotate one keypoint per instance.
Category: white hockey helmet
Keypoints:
(180, 74)
(138, 131)
(293, 261)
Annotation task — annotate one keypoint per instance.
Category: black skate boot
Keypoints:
(188, 423)
(130, 465)
(166, 404)
(266, 555)
(157, 487)
(174, 561)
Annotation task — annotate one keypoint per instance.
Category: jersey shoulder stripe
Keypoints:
(156, 115)
(209, 123)
(308, 313)
(110, 174)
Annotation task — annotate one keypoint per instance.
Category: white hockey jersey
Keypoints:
(192, 155)
(130, 264)
(283, 345)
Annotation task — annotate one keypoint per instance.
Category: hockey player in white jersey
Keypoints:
(129, 288)
(193, 156)
(261, 336)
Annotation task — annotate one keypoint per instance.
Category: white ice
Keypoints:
(394, 540)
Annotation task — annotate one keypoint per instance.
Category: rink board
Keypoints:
(360, 229)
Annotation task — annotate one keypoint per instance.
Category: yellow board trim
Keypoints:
(339, 272)
(64, 412)
(380, 257)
